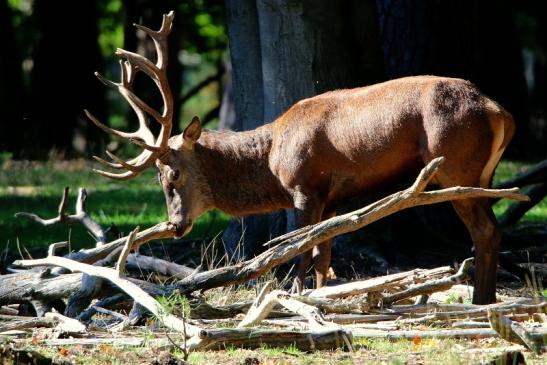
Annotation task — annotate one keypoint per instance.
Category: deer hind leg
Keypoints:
(482, 226)
(322, 257)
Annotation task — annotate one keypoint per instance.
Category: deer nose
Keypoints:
(182, 228)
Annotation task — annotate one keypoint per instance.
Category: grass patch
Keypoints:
(37, 187)
(506, 170)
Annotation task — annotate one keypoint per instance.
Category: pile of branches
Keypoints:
(89, 282)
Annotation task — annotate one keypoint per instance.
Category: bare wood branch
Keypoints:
(532, 338)
(81, 216)
(379, 283)
(120, 265)
(517, 209)
(432, 286)
(159, 231)
(253, 338)
(312, 235)
(410, 334)
(261, 309)
(535, 174)
(154, 264)
(131, 289)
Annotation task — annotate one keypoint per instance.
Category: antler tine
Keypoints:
(160, 38)
(122, 177)
(106, 81)
(123, 163)
(140, 104)
(107, 164)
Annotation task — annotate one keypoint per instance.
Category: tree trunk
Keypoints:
(283, 51)
(245, 53)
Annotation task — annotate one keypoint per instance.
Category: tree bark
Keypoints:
(283, 51)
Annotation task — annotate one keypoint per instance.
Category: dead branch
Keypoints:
(379, 284)
(534, 175)
(517, 209)
(432, 286)
(157, 265)
(410, 334)
(512, 331)
(263, 306)
(80, 217)
(254, 338)
(310, 236)
(117, 278)
(61, 323)
(89, 256)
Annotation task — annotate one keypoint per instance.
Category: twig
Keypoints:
(80, 217)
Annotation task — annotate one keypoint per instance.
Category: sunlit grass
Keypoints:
(37, 187)
(506, 170)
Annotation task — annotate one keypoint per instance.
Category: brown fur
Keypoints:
(344, 143)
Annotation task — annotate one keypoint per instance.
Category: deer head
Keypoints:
(172, 155)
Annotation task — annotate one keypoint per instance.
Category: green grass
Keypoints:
(507, 169)
(38, 188)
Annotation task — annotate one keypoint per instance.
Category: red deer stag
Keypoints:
(321, 151)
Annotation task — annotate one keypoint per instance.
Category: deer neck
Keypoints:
(236, 168)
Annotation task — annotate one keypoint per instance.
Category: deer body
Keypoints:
(329, 148)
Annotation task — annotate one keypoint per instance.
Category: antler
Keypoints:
(142, 137)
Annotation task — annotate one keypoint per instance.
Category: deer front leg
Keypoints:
(308, 211)
(322, 257)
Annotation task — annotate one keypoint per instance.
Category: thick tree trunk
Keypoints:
(244, 35)
(283, 51)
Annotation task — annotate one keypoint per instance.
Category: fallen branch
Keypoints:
(61, 323)
(310, 236)
(89, 256)
(253, 338)
(80, 217)
(531, 337)
(260, 310)
(411, 334)
(116, 277)
(379, 284)
(432, 286)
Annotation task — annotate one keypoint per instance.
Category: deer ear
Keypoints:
(192, 132)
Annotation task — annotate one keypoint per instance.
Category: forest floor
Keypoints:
(37, 187)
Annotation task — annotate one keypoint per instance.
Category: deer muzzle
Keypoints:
(181, 228)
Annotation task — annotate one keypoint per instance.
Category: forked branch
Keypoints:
(80, 216)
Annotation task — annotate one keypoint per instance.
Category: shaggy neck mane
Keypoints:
(236, 167)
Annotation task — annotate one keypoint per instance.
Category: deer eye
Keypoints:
(173, 175)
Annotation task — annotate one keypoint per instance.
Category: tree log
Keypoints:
(255, 338)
